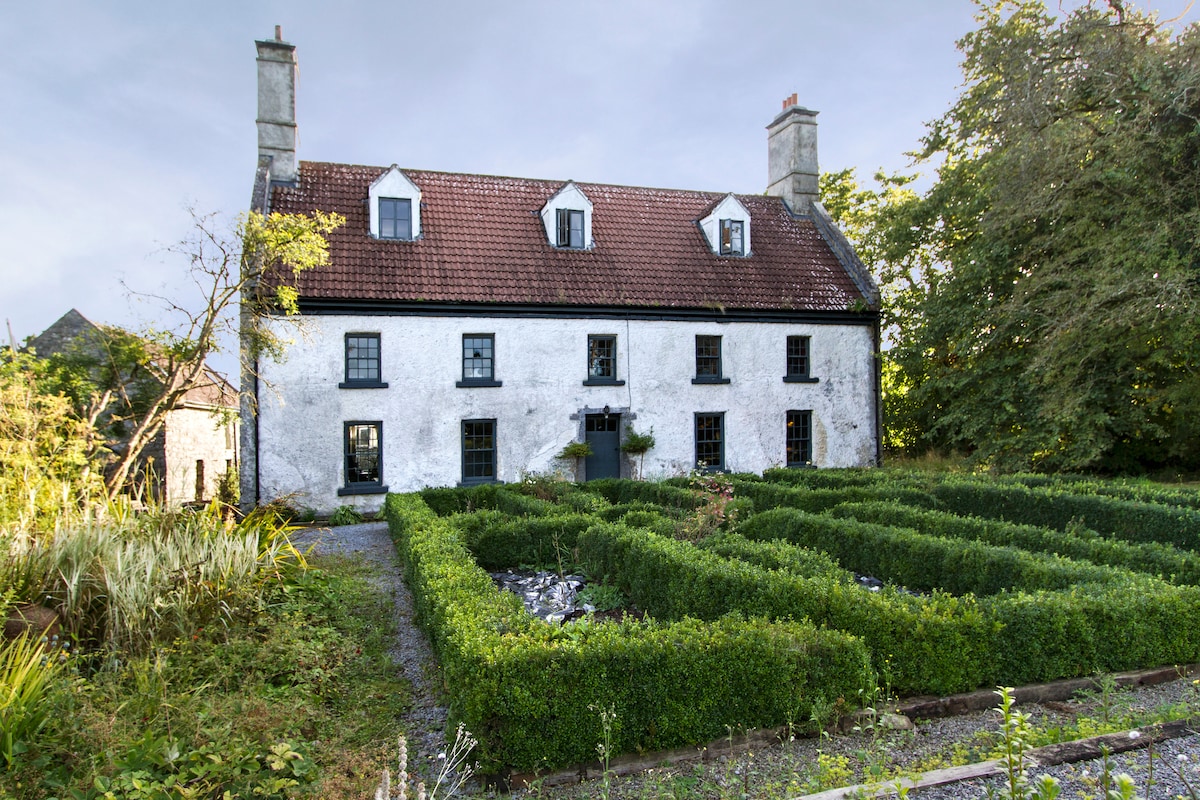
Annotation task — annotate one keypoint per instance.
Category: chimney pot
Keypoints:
(279, 33)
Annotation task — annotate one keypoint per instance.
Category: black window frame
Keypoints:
(564, 217)
(710, 366)
(727, 227)
(395, 204)
(798, 439)
(608, 341)
(350, 455)
(350, 362)
(704, 424)
(469, 455)
(471, 362)
(798, 360)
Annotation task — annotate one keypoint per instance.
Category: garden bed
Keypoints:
(762, 624)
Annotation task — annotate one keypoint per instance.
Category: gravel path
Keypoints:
(781, 770)
(425, 719)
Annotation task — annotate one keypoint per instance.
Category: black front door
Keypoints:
(603, 433)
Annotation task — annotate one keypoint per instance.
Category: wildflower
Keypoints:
(1181, 758)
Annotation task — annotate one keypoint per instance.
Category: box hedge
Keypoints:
(922, 562)
(767, 495)
(1129, 621)
(1161, 560)
(1129, 520)
(939, 644)
(531, 692)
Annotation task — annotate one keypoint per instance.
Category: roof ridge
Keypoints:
(551, 181)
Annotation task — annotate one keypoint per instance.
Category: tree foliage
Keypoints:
(1044, 290)
(47, 449)
(224, 266)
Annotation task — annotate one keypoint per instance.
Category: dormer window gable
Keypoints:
(395, 203)
(567, 218)
(727, 228)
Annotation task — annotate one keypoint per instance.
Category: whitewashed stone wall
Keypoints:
(542, 364)
(197, 434)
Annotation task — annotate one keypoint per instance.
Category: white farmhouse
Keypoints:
(469, 327)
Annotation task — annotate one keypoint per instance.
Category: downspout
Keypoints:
(878, 357)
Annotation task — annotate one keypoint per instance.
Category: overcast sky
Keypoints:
(118, 116)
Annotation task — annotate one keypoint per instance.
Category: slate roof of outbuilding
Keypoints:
(483, 242)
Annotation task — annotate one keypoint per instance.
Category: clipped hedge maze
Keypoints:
(531, 692)
(764, 624)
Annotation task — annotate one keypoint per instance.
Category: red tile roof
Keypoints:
(483, 242)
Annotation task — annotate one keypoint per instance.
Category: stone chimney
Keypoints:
(277, 106)
(792, 157)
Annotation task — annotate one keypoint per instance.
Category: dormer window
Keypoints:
(731, 237)
(570, 228)
(567, 217)
(727, 228)
(395, 218)
(395, 204)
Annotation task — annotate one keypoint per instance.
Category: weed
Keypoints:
(608, 716)
(1015, 732)
(453, 771)
(345, 515)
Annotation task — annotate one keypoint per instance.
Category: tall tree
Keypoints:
(1053, 324)
(224, 266)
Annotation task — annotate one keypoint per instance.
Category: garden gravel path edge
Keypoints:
(425, 718)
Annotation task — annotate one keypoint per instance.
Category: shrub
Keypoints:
(29, 668)
(767, 495)
(345, 515)
(938, 644)
(672, 497)
(1164, 561)
(498, 541)
(1129, 520)
(525, 688)
(923, 562)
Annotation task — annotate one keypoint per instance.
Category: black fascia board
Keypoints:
(322, 306)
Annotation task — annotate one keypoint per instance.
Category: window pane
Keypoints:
(395, 218)
(576, 228)
(708, 356)
(799, 438)
(479, 450)
(477, 357)
(797, 356)
(362, 357)
(362, 453)
(570, 228)
(731, 237)
(602, 356)
(709, 437)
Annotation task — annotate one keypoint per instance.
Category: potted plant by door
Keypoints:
(573, 452)
(636, 444)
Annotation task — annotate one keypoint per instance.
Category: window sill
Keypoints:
(478, 482)
(603, 382)
(799, 379)
(362, 385)
(472, 383)
(805, 465)
(710, 380)
(366, 488)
